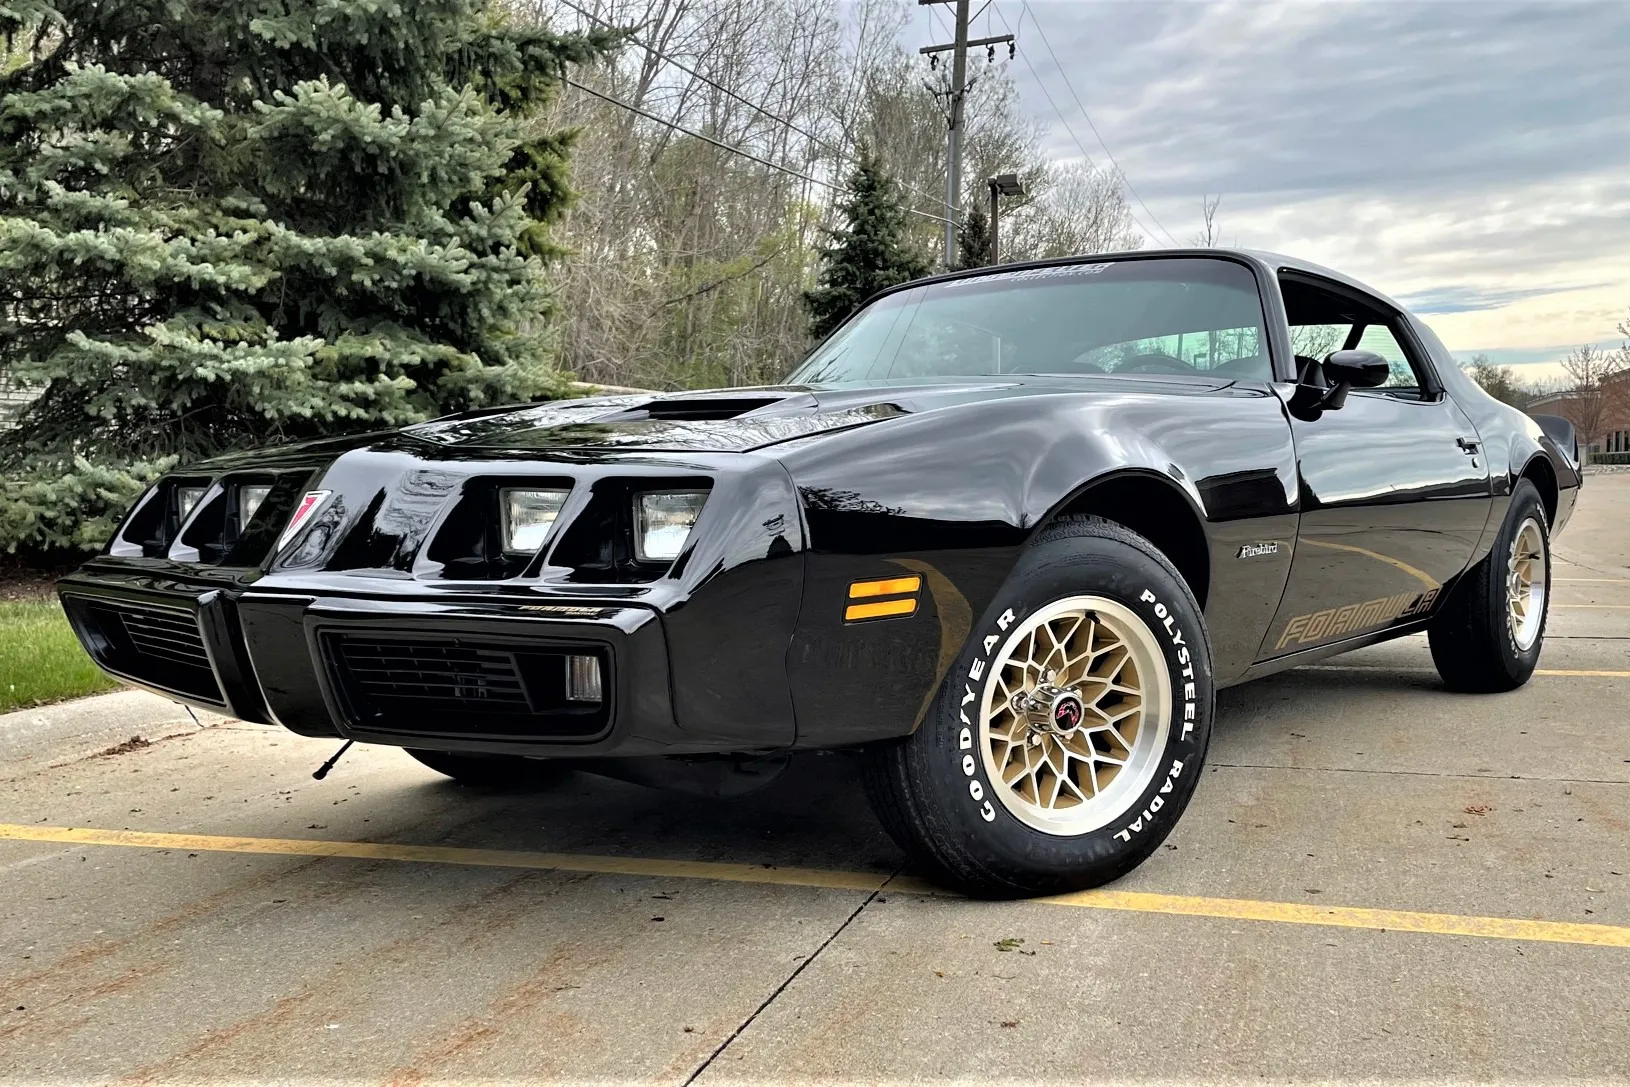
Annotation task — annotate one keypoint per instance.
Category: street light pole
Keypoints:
(999, 186)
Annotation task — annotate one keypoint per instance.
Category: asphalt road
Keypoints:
(387, 926)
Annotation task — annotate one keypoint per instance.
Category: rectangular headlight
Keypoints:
(187, 499)
(528, 516)
(662, 522)
(250, 497)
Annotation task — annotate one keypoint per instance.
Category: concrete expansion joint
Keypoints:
(788, 980)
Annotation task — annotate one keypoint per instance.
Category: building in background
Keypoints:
(1601, 415)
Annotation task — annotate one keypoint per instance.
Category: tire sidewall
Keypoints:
(1525, 503)
(1067, 566)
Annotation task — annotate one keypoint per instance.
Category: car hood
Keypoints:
(744, 419)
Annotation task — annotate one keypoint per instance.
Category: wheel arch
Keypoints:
(1539, 471)
(1154, 507)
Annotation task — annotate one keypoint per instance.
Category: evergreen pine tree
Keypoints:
(235, 222)
(871, 250)
(973, 240)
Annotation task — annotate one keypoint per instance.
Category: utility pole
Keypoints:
(958, 91)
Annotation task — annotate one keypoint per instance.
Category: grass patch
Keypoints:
(40, 659)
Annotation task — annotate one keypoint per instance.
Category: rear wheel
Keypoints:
(1070, 733)
(1489, 635)
(504, 771)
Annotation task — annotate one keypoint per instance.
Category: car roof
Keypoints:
(1271, 262)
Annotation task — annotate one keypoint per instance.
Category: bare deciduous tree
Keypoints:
(1501, 382)
(686, 263)
(1207, 236)
(1595, 388)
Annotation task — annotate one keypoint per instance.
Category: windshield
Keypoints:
(1154, 316)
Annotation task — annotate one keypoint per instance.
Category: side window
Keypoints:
(1325, 318)
(1317, 341)
(1404, 381)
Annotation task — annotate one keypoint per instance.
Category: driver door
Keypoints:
(1395, 487)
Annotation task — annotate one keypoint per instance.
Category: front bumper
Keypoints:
(281, 657)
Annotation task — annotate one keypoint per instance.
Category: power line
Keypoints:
(1066, 123)
(655, 52)
(1082, 106)
(676, 126)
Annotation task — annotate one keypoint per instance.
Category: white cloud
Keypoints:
(1472, 158)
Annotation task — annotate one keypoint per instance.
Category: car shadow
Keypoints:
(815, 814)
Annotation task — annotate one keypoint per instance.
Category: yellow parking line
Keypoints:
(1611, 607)
(1599, 673)
(1298, 913)
(441, 854)
(1597, 580)
(1239, 909)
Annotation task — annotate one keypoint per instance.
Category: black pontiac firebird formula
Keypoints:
(1003, 534)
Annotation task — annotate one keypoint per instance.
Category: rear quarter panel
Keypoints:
(1511, 440)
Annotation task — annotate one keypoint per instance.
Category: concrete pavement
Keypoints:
(808, 951)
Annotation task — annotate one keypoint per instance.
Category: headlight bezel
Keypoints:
(187, 499)
(507, 527)
(245, 508)
(641, 534)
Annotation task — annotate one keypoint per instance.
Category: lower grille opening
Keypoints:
(156, 646)
(446, 685)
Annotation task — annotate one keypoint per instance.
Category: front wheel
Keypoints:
(1070, 733)
(1489, 635)
(499, 771)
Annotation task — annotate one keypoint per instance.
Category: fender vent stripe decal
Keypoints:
(893, 586)
(903, 589)
(880, 610)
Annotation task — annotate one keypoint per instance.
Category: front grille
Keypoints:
(395, 671)
(165, 636)
(155, 646)
(453, 686)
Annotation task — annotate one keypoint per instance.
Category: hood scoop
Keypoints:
(702, 407)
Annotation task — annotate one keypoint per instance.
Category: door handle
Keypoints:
(1469, 446)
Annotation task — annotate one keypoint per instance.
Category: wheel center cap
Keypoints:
(1066, 713)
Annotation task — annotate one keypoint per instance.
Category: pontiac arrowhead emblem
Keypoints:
(302, 513)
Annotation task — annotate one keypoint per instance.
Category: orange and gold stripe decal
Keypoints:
(880, 609)
(903, 589)
(889, 586)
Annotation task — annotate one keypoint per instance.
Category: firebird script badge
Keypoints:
(1257, 550)
(302, 513)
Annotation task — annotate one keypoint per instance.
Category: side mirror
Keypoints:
(1341, 371)
(1358, 369)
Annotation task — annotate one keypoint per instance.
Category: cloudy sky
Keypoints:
(1470, 159)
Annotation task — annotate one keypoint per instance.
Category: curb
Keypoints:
(33, 739)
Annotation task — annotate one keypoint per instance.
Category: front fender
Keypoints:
(952, 495)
